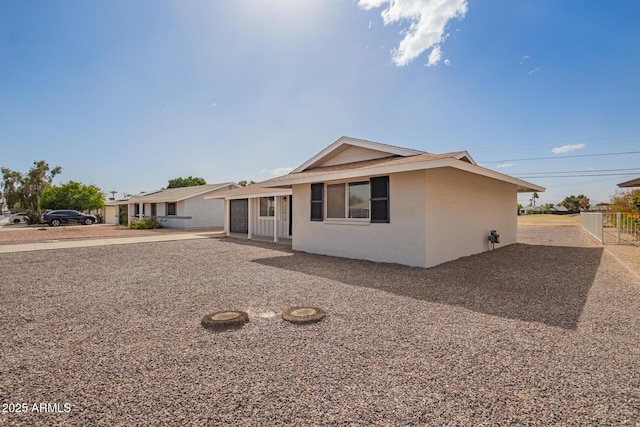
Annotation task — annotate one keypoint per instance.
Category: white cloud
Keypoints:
(535, 70)
(213, 105)
(370, 23)
(504, 165)
(280, 171)
(567, 148)
(524, 58)
(428, 18)
(434, 56)
(447, 62)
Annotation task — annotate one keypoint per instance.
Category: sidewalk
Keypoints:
(65, 244)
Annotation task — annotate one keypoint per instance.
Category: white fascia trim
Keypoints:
(287, 192)
(398, 151)
(523, 186)
(257, 196)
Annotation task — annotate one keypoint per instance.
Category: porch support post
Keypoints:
(275, 219)
(249, 219)
(227, 216)
(140, 211)
(128, 214)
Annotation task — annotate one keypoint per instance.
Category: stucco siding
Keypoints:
(461, 209)
(399, 241)
(196, 212)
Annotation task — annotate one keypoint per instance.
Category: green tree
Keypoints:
(186, 182)
(72, 195)
(575, 203)
(244, 183)
(533, 199)
(23, 191)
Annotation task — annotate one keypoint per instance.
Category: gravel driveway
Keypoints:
(545, 332)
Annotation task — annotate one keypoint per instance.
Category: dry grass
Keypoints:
(572, 220)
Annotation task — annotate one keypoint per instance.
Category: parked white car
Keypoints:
(17, 218)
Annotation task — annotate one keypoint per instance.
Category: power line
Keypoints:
(580, 173)
(566, 157)
(589, 141)
(583, 171)
(571, 176)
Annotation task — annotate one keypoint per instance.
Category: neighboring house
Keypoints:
(115, 211)
(184, 207)
(366, 200)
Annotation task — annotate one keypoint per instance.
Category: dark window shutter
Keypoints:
(317, 206)
(380, 199)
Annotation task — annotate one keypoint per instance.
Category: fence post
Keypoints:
(618, 217)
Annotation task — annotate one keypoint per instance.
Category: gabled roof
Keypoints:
(251, 191)
(402, 161)
(179, 194)
(631, 183)
(339, 146)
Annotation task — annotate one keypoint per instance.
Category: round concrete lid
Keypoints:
(303, 314)
(224, 320)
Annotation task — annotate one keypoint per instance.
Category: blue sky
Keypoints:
(127, 95)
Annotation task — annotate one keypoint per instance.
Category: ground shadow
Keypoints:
(547, 284)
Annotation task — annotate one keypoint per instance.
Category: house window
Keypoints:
(353, 200)
(348, 200)
(154, 209)
(359, 199)
(171, 208)
(317, 202)
(335, 201)
(267, 206)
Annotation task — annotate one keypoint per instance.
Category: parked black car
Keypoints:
(55, 218)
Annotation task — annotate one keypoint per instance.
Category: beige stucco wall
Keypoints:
(400, 241)
(461, 209)
(196, 212)
(437, 215)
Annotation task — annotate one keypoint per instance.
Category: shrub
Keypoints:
(146, 223)
(33, 217)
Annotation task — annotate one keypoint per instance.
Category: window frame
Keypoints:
(374, 182)
(380, 185)
(175, 208)
(346, 185)
(272, 205)
(317, 202)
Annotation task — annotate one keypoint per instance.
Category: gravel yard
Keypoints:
(545, 332)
